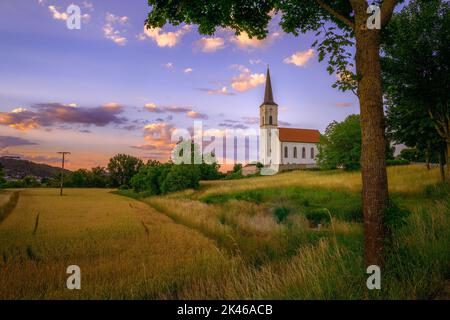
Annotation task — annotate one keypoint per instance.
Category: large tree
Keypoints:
(340, 146)
(416, 68)
(350, 16)
(122, 167)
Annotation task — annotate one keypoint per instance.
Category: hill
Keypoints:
(18, 168)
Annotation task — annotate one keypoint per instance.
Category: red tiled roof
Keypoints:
(299, 135)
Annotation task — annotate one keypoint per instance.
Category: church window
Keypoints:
(295, 152)
(270, 120)
(312, 153)
(285, 152)
(303, 153)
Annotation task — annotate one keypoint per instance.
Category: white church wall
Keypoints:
(299, 159)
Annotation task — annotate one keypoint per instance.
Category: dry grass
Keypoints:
(104, 235)
(184, 248)
(404, 179)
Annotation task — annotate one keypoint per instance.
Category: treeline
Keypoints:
(128, 172)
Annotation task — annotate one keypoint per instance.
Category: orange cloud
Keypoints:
(243, 41)
(300, 58)
(208, 45)
(246, 80)
(164, 39)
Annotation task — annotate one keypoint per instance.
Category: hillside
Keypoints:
(18, 168)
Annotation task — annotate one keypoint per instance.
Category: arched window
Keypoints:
(270, 120)
(285, 152)
(303, 153)
(312, 153)
(262, 121)
(295, 152)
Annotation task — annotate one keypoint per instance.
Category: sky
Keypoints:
(113, 87)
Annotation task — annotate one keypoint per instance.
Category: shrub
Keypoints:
(13, 184)
(440, 190)
(395, 216)
(281, 213)
(397, 162)
(319, 215)
(181, 177)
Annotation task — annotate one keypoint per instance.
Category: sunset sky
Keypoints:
(112, 87)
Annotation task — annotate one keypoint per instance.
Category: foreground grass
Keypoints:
(124, 249)
(227, 241)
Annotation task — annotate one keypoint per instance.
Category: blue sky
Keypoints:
(108, 87)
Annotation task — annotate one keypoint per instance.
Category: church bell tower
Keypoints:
(268, 111)
(268, 128)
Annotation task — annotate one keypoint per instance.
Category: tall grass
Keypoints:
(224, 241)
(8, 201)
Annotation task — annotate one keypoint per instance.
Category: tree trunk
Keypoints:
(373, 153)
(442, 163)
(448, 160)
(427, 155)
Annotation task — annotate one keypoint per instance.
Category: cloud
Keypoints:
(9, 141)
(61, 15)
(158, 137)
(111, 31)
(255, 61)
(164, 39)
(300, 58)
(209, 45)
(250, 120)
(168, 65)
(112, 18)
(222, 90)
(246, 80)
(152, 107)
(188, 70)
(343, 104)
(49, 114)
(243, 41)
(197, 115)
(233, 125)
(58, 15)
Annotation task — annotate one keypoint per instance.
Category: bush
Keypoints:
(319, 215)
(149, 178)
(395, 216)
(440, 190)
(181, 177)
(13, 184)
(281, 213)
(412, 155)
(397, 162)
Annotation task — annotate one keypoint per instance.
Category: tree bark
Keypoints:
(427, 155)
(373, 153)
(442, 163)
(448, 160)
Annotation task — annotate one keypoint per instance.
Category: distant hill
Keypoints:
(18, 168)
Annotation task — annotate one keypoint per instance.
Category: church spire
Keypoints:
(268, 95)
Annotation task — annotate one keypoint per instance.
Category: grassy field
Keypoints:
(251, 239)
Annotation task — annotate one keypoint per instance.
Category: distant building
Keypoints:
(284, 148)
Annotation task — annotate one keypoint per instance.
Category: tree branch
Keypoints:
(387, 8)
(336, 14)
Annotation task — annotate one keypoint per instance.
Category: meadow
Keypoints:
(295, 235)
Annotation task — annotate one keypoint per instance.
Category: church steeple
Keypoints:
(268, 95)
(268, 111)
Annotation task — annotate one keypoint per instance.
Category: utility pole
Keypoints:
(62, 170)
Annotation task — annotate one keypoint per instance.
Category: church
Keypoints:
(284, 148)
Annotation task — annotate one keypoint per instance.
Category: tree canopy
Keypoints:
(415, 69)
